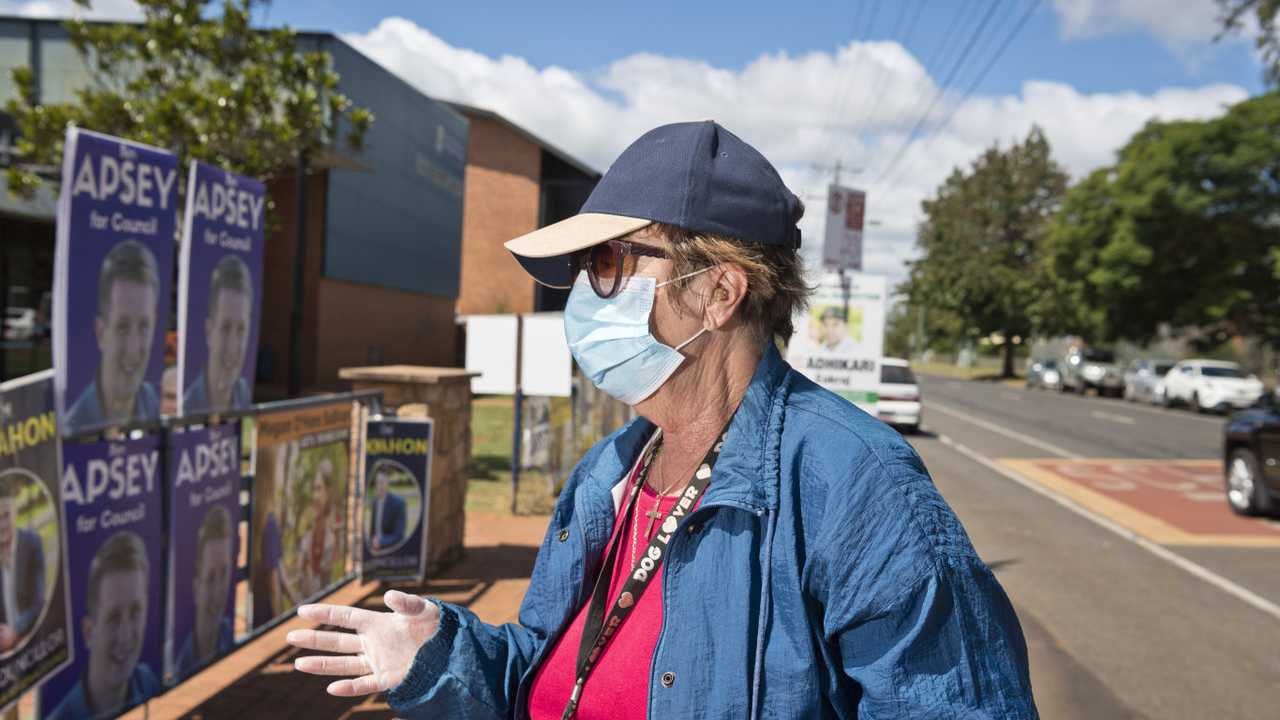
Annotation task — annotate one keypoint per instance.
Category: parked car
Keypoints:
(1251, 459)
(1044, 374)
(899, 403)
(19, 323)
(1142, 379)
(1211, 385)
(1085, 368)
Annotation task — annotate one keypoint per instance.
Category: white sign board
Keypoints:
(546, 367)
(842, 241)
(839, 342)
(491, 351)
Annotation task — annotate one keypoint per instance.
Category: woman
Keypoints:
(752, 545)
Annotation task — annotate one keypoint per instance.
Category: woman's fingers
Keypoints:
(366, 685)
(343, 616)
(325, 641)
(404, 603)
(333, 664)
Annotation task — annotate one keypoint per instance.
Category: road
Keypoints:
(1141, 595)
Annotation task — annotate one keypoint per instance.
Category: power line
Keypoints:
(897, 157)
(882, 73)
(982, 74)
(838, 106)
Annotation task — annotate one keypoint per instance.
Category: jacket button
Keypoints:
(668, 679)
(564, 534)
(694, 528)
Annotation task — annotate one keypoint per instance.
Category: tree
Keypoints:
(1267, 40)
(981, 239)
(1183, 230)
(204, 84)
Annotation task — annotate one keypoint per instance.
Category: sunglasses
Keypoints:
(607, 264)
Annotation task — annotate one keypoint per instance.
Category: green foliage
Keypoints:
(1267, 39)
(1184, 230)
(981, 239)
(197, 80)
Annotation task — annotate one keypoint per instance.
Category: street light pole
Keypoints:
(299, 256)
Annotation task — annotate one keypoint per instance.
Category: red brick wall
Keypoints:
(500, 202)
(371, 325)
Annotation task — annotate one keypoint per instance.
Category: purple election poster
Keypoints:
(34, 628)
(113, 264)
(112, 497)
(204, 539)
(219, 290)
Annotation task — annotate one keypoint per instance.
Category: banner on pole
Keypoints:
(842, 240)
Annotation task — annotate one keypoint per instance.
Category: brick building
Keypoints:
(516, 182)
(383, 226)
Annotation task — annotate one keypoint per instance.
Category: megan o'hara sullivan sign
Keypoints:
(35, 640)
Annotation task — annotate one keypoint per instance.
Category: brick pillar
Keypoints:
(444, 395)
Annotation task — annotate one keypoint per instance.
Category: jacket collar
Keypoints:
(748, 469)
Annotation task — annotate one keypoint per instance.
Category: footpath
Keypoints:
(258, 681)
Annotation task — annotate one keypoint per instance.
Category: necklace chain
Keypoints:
(653, 514)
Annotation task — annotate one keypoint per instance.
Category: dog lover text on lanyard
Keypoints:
(601, 629)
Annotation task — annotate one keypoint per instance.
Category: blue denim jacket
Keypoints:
(822, 576)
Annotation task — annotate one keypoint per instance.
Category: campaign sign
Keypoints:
(204, 539)
(113, 261)
(35, 632)
(112, 495)
(219, 290)
(301, 488)
(839, 339)
(397, 475)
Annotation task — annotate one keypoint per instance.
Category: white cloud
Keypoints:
(99, 10)
(801, 111)
(1175, 23)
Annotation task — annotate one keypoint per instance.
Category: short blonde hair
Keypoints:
(776, 288)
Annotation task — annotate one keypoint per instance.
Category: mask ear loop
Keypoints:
(704, 329)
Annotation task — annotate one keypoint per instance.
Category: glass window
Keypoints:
(14, 53)
(1099, 356)
(62, 71)
(1163, 369)
(897, 375)
(1218, 371)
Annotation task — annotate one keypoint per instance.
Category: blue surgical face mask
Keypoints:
(611, 342)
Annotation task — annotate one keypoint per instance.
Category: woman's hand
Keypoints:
(379, 652)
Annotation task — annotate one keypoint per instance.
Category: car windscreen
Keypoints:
(897, 375)
(1099, 356)
(1049, 364)
(1220, 372)
(1163, 369)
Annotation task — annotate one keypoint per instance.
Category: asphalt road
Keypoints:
(1117, 626)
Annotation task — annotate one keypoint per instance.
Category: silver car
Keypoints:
(1142, 380)
(1085, 368)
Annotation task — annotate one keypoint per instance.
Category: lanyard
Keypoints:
(599, 630)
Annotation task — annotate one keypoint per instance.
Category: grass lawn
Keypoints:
(963, 373)
(489, 484)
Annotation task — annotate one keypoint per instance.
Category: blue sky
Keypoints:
(809, 82)
(584, 36)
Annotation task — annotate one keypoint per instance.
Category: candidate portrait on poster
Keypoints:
(299, 508)
(112, 495)
(204, 518)
(34, 630)
(113, 265)
(397, 471)
(219, 290)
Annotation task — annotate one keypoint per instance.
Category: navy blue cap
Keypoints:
(694, 175)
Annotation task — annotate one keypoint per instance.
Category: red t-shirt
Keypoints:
(618, 687)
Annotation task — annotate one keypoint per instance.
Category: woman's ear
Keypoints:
(729, 287)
